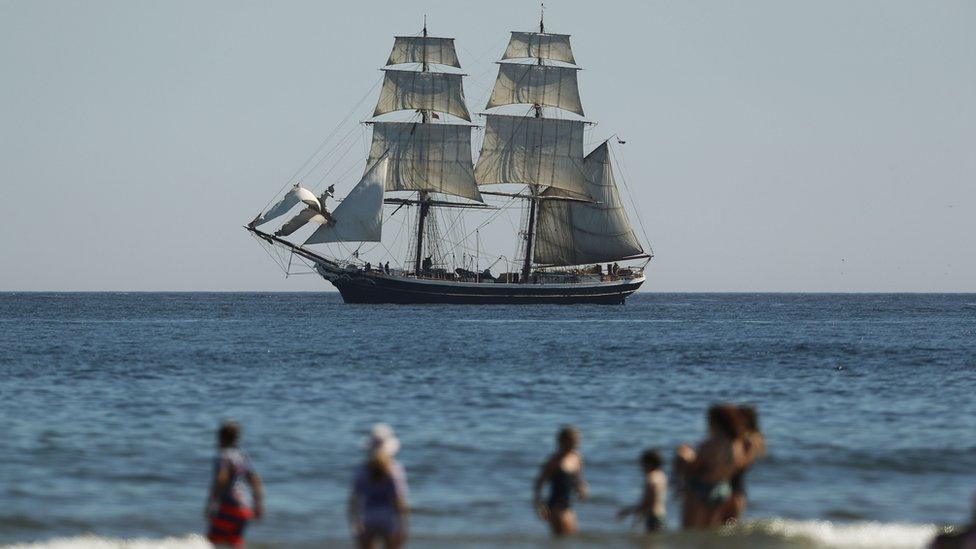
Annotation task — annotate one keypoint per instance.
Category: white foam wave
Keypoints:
(96, 542)
(766, 533)
(856, 535)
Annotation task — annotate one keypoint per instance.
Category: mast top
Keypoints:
(542, 17)
(425, 25)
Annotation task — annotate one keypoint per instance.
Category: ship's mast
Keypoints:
(423, 197)
(533, 189)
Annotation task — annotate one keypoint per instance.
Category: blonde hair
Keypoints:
(379, 465)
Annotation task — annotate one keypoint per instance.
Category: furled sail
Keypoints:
(532, 151)
(524, 45)
(359, 217)
(574, 233)
(426, 157)
(418, 49)
(433, 91)
(294, 195)
(308, 215)
(536, 84)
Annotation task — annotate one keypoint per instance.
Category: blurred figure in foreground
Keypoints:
(960, 538)
(652, 504)
(755, 447)
(230, 507)
(563, 471)
(706, 472)
(378, 500)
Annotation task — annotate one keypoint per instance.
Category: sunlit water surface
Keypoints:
(109, 403)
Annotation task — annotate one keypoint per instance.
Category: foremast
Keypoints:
(425, 157)
(423, 197)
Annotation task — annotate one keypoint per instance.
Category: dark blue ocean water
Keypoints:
(109, 403)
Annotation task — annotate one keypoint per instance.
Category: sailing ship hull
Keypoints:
(376, 287)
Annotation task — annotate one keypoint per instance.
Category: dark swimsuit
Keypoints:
(738, 482)
(562, 484)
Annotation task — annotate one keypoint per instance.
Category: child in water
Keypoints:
(651, 505)
(230, 507)
(563, 471)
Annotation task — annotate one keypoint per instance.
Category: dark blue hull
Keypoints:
(357, 286)
(360, 287)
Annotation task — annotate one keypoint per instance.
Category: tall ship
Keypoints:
(573, 241)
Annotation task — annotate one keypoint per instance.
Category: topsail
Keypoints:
(431, 91)
(545, 85)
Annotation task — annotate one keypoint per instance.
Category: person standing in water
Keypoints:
(563, 471)
(652, 504)
(378, 499)
(755, 447)
(706, 472)
(230, 507)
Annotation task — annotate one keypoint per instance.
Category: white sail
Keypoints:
(410, 90)
(294, 195)
(535, 45)
(574, 233)
(532, 151)
(359, 217)
(536, 84)
(417, 49)
(426, 157)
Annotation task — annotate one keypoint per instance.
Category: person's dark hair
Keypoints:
(228, 434)
(726, 419)
(750, 419)
(651, 459)
(568, 437)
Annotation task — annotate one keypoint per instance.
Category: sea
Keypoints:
(109, 404)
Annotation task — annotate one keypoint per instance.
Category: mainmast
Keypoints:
(423, 197)
(425, 158)
(539, 152)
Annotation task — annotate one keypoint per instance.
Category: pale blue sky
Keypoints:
(771, 144)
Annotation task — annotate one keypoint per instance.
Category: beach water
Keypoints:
(109, 404)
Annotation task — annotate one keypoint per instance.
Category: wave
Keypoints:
(766, 533)
(855, 535)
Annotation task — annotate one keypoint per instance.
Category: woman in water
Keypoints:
(229, 507)
(378, 498)
(706, 472)
(755, 447)
(563, 471)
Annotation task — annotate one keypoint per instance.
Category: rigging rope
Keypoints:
(325, 141)
(630, 195)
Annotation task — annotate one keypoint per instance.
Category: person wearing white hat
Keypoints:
(378, 499)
